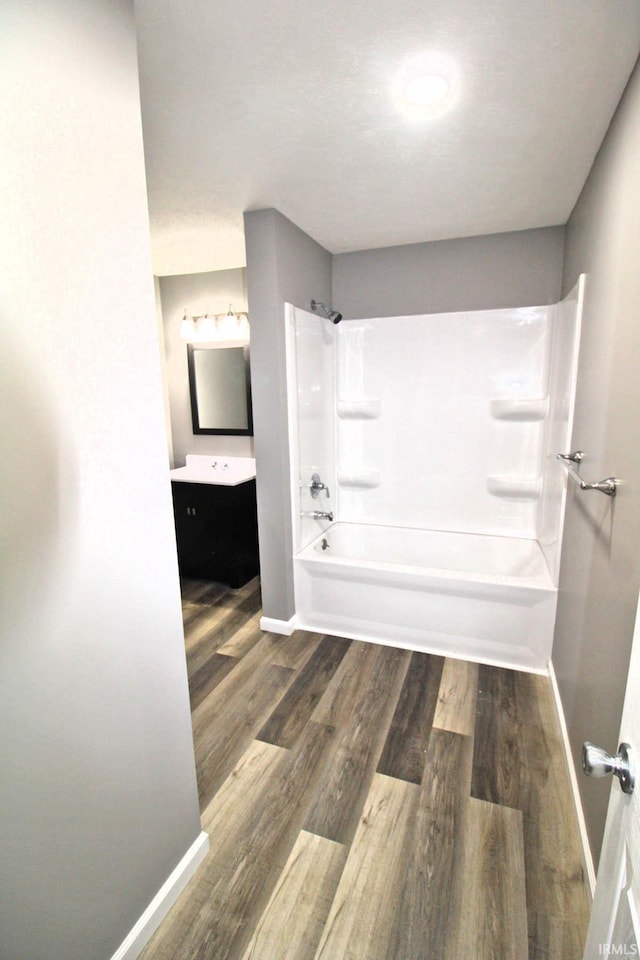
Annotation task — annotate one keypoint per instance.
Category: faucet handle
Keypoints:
(316, 485)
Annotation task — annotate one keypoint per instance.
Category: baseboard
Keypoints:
(587, 859)
(142, 931)
(285, 627)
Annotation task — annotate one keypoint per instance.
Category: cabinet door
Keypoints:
(230, 533)
(191, 532)
(217, 532)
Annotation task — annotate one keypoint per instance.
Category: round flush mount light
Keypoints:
(425, 87)
(426, 90)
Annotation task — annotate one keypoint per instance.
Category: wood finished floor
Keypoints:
(369, 803)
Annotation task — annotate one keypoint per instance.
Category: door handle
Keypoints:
(597, 762)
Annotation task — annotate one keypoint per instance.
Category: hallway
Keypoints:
(365, 802)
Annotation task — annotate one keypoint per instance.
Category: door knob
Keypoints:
(597, 762)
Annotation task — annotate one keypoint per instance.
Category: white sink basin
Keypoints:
(223, 470)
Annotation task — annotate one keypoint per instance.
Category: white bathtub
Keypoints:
(479, 597)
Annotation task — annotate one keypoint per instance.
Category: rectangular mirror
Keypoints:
(220, 387)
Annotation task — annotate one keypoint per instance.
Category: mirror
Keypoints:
(220, 387)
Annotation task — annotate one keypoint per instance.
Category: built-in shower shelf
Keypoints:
(358, 409)
(514, 488)
(506, 408)
(359, 479)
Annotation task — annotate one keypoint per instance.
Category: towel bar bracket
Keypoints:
(607, 486)
(576, 457)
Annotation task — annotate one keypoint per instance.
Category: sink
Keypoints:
(228, 471)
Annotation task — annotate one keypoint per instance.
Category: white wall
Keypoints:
(98, 797)
(199, 293)
(600, 573)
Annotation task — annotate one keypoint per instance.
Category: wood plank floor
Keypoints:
(369, 803)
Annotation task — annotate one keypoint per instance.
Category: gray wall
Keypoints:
(600, 573)
(98, 799)
(475, 273)
(283, 264)
(198, 293)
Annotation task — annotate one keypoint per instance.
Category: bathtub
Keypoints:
(483, 598)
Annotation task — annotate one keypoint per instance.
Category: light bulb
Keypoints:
(207, 328)
(425, 91)
(188, 328)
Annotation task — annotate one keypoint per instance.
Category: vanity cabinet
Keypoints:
(217, 531)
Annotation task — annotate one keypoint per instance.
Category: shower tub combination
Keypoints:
(434, 521)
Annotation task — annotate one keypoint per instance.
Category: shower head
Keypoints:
(330, 314)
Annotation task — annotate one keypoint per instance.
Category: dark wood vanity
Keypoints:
(216, 528)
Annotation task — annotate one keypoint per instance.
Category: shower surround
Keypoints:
(435, 437)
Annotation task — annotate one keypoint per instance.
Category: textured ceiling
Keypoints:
(287, 104)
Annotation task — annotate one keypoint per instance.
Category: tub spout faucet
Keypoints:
(320, 515)
(317, 485)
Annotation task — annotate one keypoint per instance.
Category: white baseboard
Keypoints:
(587, 859)
(142, 931)
(285, 627)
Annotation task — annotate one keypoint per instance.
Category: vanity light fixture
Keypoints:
(225, 329)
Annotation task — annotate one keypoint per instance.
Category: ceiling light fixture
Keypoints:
(426, 86)
(425, 91)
